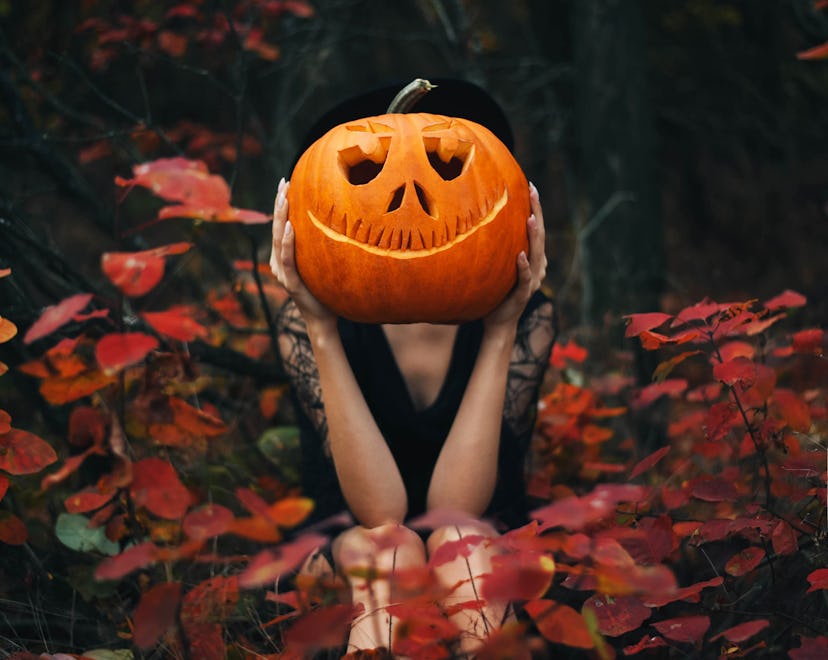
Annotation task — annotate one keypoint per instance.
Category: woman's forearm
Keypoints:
(368, 475)
(466, 471)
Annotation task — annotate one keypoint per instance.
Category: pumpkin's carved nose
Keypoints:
(399, 196)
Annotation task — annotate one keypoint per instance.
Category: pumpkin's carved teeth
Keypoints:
(399, 243)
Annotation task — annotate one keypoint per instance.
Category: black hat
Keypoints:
(451, 97)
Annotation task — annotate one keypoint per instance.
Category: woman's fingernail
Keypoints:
(533, 222)
(522, 258)
(288, 229)
(281, 185)
(532, 188)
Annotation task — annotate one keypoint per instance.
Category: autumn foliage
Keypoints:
(681, 517)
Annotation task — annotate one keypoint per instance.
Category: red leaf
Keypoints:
(699, 312)
(638, 323)
(721, 417)
(816, 53)
(784, 539)
(742, 632)
(137, 273)
(810, 648)
(176, 323)
(618, 615)
(647, 642)
(574, 513)
(809, 341)
(5, 422)
(320, 629)
(644, 397)
(569, 352)
(786, 299)
(213, 599)
(180, 180)
(88, 500)
(156, 614)
(684, 628)
(155, 486)
(518, 576)
(208, 521)
(738, 370)
(744, 562)
(12, 530)
(269, 565)
(646, 463)
(818, 579)
(559, 623)
(56, 316)
(690, 593)
(118, 350)
(87, 426)
(714, 489)
(451, 550)
(792, 409)
(22, 452)
(131, 559)
(4, 486)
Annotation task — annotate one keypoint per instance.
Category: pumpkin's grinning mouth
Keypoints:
(402, 245)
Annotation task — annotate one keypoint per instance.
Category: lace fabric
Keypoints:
(530, 357)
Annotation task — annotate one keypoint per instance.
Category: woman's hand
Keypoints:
(531, 269)
(283, 262)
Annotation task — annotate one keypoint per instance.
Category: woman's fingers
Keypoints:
(537, 235)
(279, 220)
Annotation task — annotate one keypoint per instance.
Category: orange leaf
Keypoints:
(156, 614)
(559, 623)
(290, 511)
(5, 422)
(176, 323)
(180, 180)
(58, 391)
(55, 316)
(7, 330)
(195, 421)
(118, 350)
(22, 452)
(816, 53)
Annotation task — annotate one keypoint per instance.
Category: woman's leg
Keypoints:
(367, 557)
(462, 574)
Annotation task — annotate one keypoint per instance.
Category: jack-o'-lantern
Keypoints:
(408, 217)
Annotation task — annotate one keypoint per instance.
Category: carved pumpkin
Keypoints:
(404, 218)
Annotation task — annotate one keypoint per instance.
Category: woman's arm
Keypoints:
(367, 473)
(466, 471)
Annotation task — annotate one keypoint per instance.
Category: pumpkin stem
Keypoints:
(408, 96)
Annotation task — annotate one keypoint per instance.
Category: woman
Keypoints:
(399, 420)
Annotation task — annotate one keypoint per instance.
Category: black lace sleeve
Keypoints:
(300, 367)
(530, 357)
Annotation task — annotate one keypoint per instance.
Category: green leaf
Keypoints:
(74, 532)
(280, 446)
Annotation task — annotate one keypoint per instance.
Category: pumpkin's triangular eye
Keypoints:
(449, 156)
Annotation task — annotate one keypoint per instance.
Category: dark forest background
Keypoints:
(679, 145)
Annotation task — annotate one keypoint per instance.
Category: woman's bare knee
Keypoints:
(383, 547)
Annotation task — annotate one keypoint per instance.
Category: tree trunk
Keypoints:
(617, 213)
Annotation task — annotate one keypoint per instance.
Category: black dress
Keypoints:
(415, 436)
